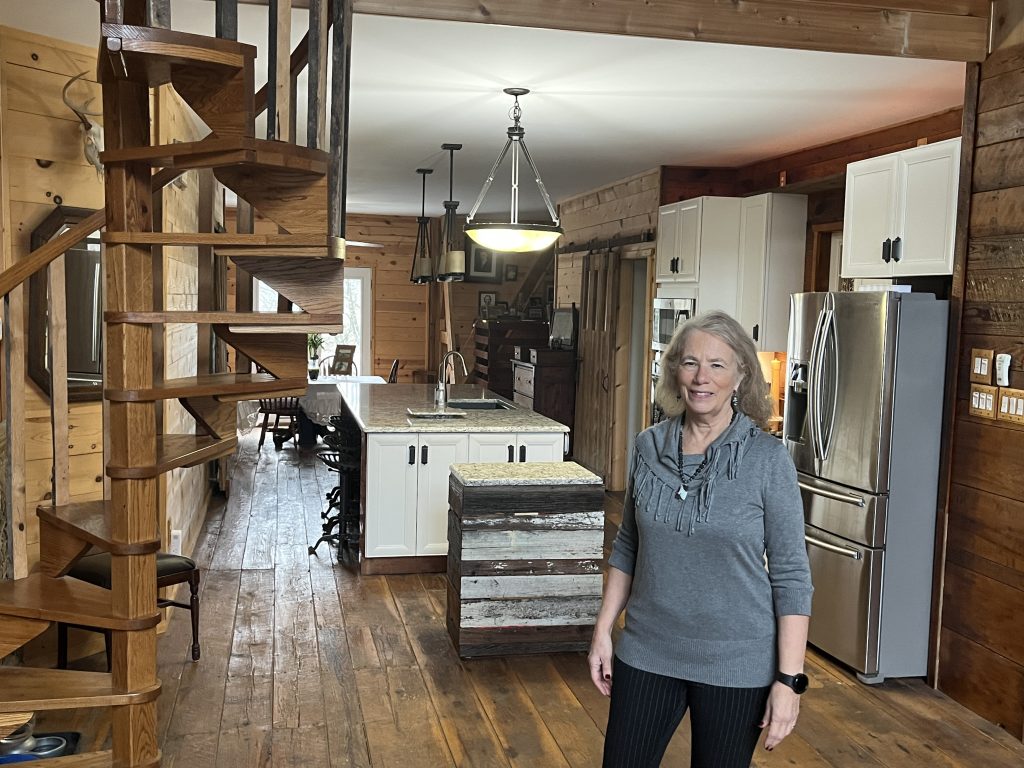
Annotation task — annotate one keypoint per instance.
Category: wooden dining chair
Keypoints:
(393, 373)
(341, 363)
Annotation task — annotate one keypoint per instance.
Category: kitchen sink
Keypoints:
(480, 404)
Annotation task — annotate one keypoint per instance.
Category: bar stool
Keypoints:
(342, 455)
(170, 570)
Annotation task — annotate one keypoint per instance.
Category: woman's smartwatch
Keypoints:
(797, 682)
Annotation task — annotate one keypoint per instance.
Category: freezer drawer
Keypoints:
(846, 512)
(847, 608)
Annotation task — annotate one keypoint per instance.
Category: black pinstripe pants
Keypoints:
(647, 708)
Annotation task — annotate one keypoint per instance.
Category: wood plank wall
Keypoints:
(981, 646)
(185, 492)
(41, 160)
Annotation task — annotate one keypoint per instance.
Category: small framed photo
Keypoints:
(482, 265)
(501, 308)
(511, 272)
(486, 303)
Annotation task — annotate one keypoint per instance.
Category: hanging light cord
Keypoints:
(516, 134)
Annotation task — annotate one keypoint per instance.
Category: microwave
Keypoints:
(668, 314)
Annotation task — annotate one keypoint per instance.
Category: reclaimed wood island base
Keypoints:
(524, 557)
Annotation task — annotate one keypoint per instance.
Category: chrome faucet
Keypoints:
(441, 393)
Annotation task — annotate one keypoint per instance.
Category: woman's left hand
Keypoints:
(779, 714)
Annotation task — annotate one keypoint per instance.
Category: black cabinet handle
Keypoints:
(897, 249)
(511, 454)
(757, 326)
(522, 453)
(412, 454)
(887, 250)
(423, 455)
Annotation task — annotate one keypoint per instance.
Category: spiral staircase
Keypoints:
(287, 184)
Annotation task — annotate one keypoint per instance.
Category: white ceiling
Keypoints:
(602, 107)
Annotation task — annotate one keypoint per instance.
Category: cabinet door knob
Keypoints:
(423, 455)
(887, 250)
(511, 454)
(522, 453)
(412, 454)
(897, 249)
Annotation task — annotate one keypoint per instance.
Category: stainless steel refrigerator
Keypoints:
(862, 423)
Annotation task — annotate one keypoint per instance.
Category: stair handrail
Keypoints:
(41, 257)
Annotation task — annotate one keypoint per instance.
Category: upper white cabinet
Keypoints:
(900, 216)
(691, 233)
(773, 237)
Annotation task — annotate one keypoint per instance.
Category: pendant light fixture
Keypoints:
(514, 236)
(453, 258)
(422, 265)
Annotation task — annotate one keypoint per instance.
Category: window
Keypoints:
(357, 319)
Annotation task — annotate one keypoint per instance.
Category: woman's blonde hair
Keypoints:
(752, 392)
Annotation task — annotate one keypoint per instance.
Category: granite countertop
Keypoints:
(529, 473)
(382, 408)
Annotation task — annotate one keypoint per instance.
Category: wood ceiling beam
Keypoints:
(955, 30)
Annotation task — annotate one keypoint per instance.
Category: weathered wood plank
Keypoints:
(985, 611)
(998, 166)
(995, 319)
(506, 587)
(1004, 124)
(249, 684)
(992, 285)
(297, 700)
(989, 457)
(999, 212)
(532, 612)
(530, 545)
(820, 26)
(1005, 252)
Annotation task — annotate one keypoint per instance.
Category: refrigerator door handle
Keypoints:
(846, 498)
(814, 385)
(830, 333)
(849, 552)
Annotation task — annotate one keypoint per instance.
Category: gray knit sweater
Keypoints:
(702, 605)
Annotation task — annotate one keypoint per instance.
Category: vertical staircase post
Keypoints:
(341, 60)
(133, 518)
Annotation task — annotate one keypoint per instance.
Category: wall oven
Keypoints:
(669, 313)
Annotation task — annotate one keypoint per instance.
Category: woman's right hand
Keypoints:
(600, 660)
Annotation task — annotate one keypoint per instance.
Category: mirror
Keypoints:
(84, 302)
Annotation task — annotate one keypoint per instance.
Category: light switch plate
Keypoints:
(984, 401)
(981, 365)
(1011, 405)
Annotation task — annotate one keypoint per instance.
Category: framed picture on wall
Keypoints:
(486, 302)
(482, 265)
(511, 272)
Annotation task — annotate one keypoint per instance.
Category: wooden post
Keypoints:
(279, 71)
(226, 25)
(341, 58)
(14, 352)
(57, 353)
(316, 101)
(206, 300)
(133, 515)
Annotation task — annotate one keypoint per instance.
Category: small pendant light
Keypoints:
(453, 258)
(422, 264)
(514, 236)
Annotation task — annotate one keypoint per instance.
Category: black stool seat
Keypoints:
(95, 569)
(170, 570)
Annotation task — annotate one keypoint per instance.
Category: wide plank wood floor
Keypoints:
(306, 663)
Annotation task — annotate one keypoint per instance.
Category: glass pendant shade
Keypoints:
(422, 263)
(514, 236)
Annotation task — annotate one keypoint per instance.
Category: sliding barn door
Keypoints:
(595, 387)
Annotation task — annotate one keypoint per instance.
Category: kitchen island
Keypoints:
(406, 461)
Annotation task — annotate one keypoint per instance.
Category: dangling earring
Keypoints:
(735, 401)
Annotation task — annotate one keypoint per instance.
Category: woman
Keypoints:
(708, 628)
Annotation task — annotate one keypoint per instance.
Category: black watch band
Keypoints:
(797, 682)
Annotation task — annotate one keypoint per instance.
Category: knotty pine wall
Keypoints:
(981, 646)
(41, 162)
(184, 492)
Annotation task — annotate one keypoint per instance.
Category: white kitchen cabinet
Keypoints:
(773, 237)
(502, 447)
(900, 212)
(407, 491)
(692, 233)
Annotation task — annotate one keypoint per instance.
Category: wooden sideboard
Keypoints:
(547, 386)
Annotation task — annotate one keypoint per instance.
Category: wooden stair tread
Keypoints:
(90, 521)
(35, 688)
(175, 451)
(290, 322)
(149, 52)
(68, 600)
(216, 152)
(104, 759)
(210, 384)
